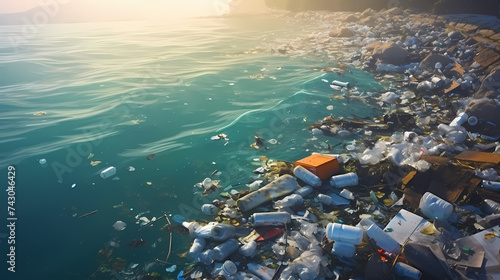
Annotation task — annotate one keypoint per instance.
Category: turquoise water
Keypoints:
(122, 91)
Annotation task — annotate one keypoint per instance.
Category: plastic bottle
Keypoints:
(407, 271)
(225, 249)
(307, 176)
(325, 199)
(195, 250)
(344, 233)
(255, 185)
(191, 226)
(222, 232)
(344, 180)
(445, 129)
(209, 209)
(346, 194)
(270, 219)
(472, 121)
(228, 269)
(249, 249)
(459, 119)
(207, 257)
(289, 201)
(108, 172)
(340, 84)
(284, 185)
(304, 191)
(491, 185)
(434, 207)
(342, 249)
(490, 207)
(383, 240)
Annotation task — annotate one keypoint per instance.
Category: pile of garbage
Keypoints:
(318, 221)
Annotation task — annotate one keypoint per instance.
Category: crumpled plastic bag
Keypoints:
(487, 174)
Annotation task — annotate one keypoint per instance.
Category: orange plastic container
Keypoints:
(323, 166)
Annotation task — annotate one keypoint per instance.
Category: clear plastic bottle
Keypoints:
(270, 219)
(307, 176)
(207, 257)
(225, 249)
(304, 191)
(344, 180)
(209, 209)
(229, 269)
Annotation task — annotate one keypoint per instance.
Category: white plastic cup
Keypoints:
(344, 180)
(225, 249)
(195, 250)
(491, 185)
(407, 271)
(108, 172)
(289, 201)
(229, 268)
(222, 232)
(325, 199)
(248, 249)
(344, 233)
(304, 191)
(472, 121)
(342, 249)
(459, 119)
(383, 240)
(209, 209)
(307, 176)
(207, 183)
(434, 207)
(270, 219)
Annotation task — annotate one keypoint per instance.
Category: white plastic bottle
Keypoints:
(434, 207)
(459, 119)
(325, 199)
(270, 219)
(249, 249)
(225, 249)
(344, 180)
(304, 191)
(195, 250)
(307, 176)
(222, 232)
(229, 269)
(344, 233)
(343, 249)
(491, 185)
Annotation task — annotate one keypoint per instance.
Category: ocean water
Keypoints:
(122, 91)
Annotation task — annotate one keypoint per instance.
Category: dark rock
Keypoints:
(456, 35)
(430, 61)
(490, 83)
(488, 114)
(389, 52)
(351, 18)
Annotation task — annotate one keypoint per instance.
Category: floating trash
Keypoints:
(94, 163)
(130, 168)
(171, 269)
(41, 113)
(273, 141)
(73, 186)
(91, 155)
(42, 161)
(119, 225)
(116, 179)
(151, 156)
